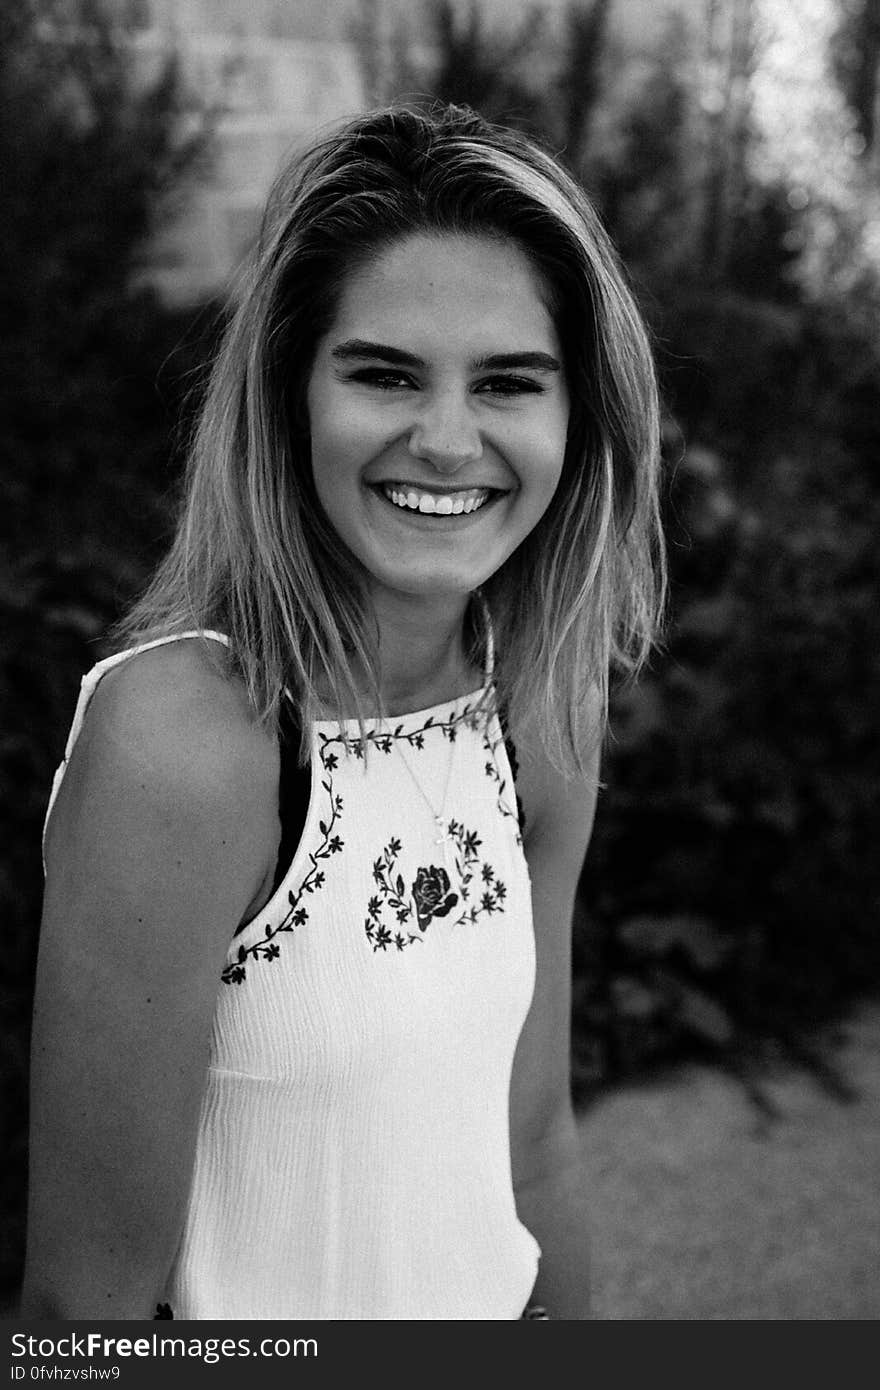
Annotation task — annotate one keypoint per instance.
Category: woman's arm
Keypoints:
(547, 1163)
(162, 834)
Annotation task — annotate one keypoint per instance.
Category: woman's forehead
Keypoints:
(435, 285)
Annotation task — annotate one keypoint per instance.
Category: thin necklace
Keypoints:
(439, 817)
(443, 836)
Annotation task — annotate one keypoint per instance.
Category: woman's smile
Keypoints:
(436, 501)
(438, 411)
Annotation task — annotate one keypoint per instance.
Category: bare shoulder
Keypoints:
(177, 710)
(169, 749)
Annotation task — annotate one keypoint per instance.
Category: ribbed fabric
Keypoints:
(353, 1155)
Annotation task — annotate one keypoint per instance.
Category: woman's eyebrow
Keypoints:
(378, 352)
(519, 361)
(359, 348)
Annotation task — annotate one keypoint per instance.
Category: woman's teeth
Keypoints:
(437, 504)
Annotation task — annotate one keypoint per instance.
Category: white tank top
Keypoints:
(353, 1156)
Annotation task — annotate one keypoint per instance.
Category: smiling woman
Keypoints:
(301, 1026)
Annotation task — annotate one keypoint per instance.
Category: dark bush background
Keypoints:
(729, 903)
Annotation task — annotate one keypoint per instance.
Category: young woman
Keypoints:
(301, 1030)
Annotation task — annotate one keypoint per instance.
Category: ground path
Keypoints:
(705, 1209)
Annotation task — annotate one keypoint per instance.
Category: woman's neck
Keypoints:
(422, 656)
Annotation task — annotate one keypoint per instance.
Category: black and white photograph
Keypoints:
(440, 648)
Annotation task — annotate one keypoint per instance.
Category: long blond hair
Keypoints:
(254, 554)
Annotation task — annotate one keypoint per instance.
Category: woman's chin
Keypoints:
(453, 587)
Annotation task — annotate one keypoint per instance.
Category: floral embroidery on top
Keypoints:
(430, 895)
(493, 771)
(267, 947)
(384, 739)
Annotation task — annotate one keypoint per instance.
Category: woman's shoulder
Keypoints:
(167, 811)
(171, 726)
(184, 698)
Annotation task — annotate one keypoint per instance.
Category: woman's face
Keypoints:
(438, 412)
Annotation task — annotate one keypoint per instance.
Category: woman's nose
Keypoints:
(446, 434)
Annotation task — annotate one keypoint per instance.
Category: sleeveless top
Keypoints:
(353, 1157)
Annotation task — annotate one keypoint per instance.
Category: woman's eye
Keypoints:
(510, 386)
(382, 377)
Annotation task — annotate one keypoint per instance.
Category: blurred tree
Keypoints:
(644, 176)
(520, 74)
(94, 148)
(729, 61)
(482, 67)
(92, 153)
(459, 58)
(580, 80)
(856, 64)
(811, 145)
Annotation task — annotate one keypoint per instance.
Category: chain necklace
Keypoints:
(443, 836)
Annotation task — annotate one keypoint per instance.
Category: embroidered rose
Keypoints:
(431, 895)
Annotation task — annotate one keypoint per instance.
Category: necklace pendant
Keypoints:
(443, 840)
